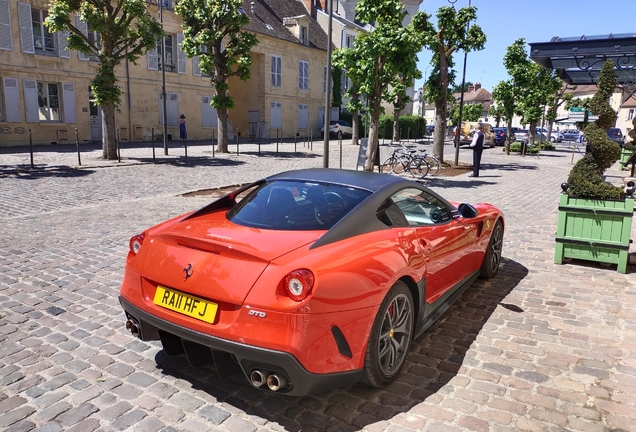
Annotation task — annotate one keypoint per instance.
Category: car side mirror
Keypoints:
(467, 211)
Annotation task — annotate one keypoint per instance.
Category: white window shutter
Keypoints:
(30, 88)
(172, 108)
(196, 70)
(208, 114)
(153, 59)
(68, 94)
(62, 43)
(181, 55)
(26, 28)
(83, 27)
(6, 39)
(12, 100)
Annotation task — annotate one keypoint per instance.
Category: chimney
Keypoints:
(310, 5)
(471, 88)
(477, 86)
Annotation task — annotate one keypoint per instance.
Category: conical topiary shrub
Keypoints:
(586, 177)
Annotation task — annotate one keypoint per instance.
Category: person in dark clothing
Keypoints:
(182, 128)
(478, 147)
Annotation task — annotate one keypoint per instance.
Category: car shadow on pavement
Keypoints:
(444, 357)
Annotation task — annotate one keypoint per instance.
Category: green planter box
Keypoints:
(625, 154)
(594, 230)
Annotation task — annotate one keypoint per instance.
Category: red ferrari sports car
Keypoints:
(309, 279)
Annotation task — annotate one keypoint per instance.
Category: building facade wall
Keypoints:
(141, 84)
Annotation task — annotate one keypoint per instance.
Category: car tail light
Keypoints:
(298, 284)
(136, 242)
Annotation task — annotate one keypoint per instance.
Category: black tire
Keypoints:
(390, 337)
(492, 257)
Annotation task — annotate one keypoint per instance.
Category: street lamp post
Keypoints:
(461, 99)
(163, 82)
(325, 157)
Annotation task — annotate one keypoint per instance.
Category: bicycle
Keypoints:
(432, 162)
(402, 159)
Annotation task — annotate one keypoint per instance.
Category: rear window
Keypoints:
(296, 206)
(614, 132)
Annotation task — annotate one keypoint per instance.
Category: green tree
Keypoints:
(586, 177)
(534, 86)
(213, 31)
(457, 88)
(348, 59)
(504, 97)
(452, 34)
(396, 92)
(379, 53)
(470, 113)
(126, 31)
(561, 97)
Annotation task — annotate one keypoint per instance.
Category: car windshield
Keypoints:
(296, 206)
(614, 132)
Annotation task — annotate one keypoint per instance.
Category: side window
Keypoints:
(421, 208)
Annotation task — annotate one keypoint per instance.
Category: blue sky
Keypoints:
(504, 21)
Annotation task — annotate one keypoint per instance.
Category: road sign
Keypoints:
(577, 110)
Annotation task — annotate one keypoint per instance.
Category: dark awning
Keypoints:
(579, 59)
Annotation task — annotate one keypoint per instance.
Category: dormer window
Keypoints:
(299, 27)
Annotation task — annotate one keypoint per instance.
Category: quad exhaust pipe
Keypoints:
(274, 382)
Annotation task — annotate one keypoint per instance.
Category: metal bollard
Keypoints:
(340, 144)
(31, 147)
(185, 147)
(79, 160)
(259, 140)
(117, 142)
(237, 141)
(153, 144)
(276, 140)
(311, 139)
(213, 139)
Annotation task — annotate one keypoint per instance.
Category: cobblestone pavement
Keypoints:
(541, 347)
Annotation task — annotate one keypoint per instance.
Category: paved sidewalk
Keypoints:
(541, 347)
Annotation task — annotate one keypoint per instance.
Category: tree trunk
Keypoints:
(396, 126)
(439, 134)
(509, 136)
(109, 145)
(221, 145)
(374, 137)
(355, 128)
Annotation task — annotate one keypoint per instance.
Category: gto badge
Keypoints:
(188, 271)
(257, 314)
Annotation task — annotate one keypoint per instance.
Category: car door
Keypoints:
(444, 242)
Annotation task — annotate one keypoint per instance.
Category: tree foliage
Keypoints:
(585, 179)
(213, 31)
(533, 85)
(126, 31)
(376, 58)
(470, 113)
(453, 33)
(505, 106)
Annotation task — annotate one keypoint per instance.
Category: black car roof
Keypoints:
(366, 180)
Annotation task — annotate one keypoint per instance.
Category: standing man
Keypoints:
(478, 147)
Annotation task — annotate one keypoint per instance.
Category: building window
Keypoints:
(630, 114)
(95, 39)
(43, 40)
(303, 75)
(349, 39)
(49, 101)
(277, 71)
(303, 35)
(170, 56)
(346, 84)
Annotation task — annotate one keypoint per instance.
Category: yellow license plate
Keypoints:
(186, 304)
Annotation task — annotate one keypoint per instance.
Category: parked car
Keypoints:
(309, 279)
(430, 129)
(616, 135)
(555, 136)
(571, 134)
(468, 129)
(336, 126)
(500, 135)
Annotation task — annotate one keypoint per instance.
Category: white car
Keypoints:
(338, 126)
(555, 136)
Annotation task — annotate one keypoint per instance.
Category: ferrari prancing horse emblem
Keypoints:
(188, 271)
